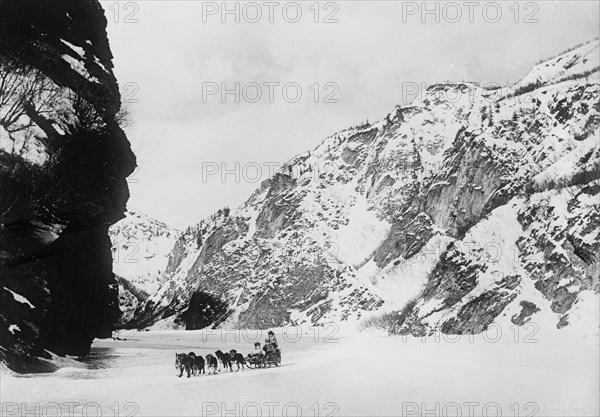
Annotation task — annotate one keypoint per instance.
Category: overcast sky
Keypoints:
(167, 53)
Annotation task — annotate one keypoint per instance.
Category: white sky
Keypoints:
(371, 53)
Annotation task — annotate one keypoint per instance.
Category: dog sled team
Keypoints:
(261, 357)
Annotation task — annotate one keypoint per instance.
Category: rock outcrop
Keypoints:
(64, 160)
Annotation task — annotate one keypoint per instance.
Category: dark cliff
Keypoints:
(64, 160)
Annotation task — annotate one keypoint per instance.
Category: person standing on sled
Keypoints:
(272, 339)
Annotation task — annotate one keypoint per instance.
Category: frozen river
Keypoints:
(359, 374)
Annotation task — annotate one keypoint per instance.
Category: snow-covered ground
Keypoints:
(505, 371)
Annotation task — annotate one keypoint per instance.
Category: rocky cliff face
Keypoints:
(63, 164)
(475, 203)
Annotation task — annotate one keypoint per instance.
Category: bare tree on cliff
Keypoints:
(26, 98)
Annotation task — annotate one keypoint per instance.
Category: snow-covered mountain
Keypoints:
(140, 246)
(476, 204)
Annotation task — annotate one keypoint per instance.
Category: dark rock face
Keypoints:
(279, 213)
(57, 288)
(571, 261)
(204, 310)
(527, 310)
(130, 298)
(32, 31)
(475, 316)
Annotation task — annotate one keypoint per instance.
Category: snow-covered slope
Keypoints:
(581, 60)
(474, 202)
(141, 248)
